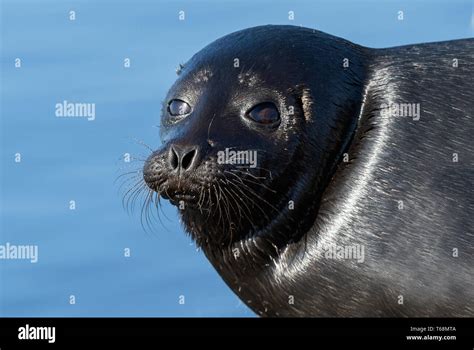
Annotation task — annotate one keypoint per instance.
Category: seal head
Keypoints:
(252, 131)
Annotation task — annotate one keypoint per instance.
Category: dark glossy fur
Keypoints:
(280, 268)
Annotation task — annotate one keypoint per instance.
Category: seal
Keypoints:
(323, 178)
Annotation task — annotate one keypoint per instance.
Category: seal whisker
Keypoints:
(249, 215)
(138, 186)
(255, 193)
(159, 209)
(135, 172)
(232, 199)
(144, 219)
(133, 197)
(249, 174)
(140, 142)
(226, 207)
(129, 182)
(225, 211)
(253, 182)
(216, 186)
(209, 203)
(252, 201)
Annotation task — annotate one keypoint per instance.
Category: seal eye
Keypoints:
(178, 108)
(264, 113)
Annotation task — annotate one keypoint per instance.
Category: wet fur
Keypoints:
(409, 251)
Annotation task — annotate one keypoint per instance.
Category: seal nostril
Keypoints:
(188, 159)
(174, 159)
